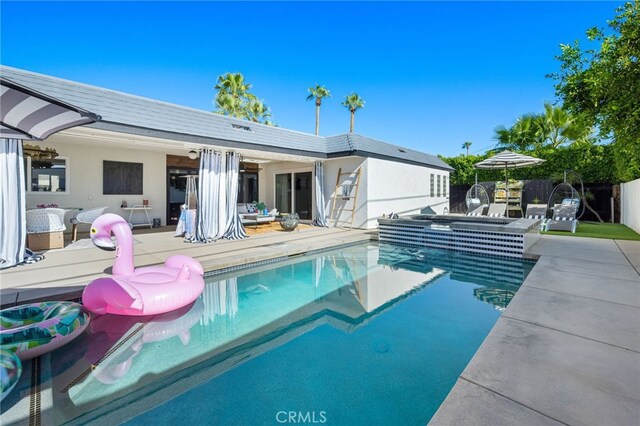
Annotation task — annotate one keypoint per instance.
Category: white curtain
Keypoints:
(320, 219)
(208, 218)
(234, 229)
(13, 225)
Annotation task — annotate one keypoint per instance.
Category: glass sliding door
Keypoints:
(248, 187)
(283, 193)
(302, 194)
(294, 193)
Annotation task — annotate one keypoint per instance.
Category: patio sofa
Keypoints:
(249, 215)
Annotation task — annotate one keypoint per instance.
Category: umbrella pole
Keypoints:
(506, 187)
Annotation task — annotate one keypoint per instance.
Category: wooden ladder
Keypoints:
(339, 193)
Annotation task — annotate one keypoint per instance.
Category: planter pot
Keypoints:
(290, 222)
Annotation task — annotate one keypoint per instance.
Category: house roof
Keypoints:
(126, 113)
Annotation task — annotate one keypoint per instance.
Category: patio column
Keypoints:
(13, 224)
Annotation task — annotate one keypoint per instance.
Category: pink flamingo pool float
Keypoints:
(139, 291)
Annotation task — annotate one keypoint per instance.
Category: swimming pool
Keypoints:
(373, 333)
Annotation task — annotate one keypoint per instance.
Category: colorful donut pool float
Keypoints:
(10, 371)
(37, 328)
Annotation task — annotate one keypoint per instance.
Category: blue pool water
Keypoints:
(368, 334)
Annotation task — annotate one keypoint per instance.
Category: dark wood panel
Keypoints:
(182, 161)
(121, 178)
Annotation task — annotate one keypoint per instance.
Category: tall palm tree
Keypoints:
(466, 145)
(353, 102)
(318, 92)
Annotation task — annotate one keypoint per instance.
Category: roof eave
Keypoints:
(204, 140)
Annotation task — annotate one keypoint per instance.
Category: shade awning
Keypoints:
(27, 114)
(508, 159)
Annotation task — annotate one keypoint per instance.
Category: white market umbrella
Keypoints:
(505, 160)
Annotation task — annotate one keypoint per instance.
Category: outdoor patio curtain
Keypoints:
(13, 224)
(320, 219)
(234, 229)
(217, 215)
(208, 217)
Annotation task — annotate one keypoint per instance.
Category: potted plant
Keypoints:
(261, 207)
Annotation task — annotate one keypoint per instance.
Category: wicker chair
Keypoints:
(85, 216)
(44, 228)
(40, 221)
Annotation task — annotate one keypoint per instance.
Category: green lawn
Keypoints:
(610, 231)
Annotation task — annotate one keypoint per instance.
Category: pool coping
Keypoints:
(64, 274)
(567, 348)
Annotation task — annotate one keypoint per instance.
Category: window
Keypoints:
(121, 178)
(432, 184)
(47, 175)
(444, 186)
(438, 188)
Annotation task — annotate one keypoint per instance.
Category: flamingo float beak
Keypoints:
(102, 240)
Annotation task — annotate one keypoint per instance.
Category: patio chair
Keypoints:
(85, 216)
(48, 221)
(497, 210)
(564, 219)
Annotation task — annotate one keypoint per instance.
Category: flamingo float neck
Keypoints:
(101, 230)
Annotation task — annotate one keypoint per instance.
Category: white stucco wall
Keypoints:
(85, 178)
(630, 204)
(402, 189)
(342, 217)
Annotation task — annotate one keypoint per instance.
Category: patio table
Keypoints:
(139, 209)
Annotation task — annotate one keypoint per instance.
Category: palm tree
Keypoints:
(561, 127)
(233, 95)
(318, 92)
(353, 102)
(466, 146)
(258, 111)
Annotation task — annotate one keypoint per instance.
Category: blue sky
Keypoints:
(433, 74)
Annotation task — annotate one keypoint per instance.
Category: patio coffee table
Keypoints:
(259, 218)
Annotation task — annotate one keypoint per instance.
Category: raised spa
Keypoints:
(487, 235)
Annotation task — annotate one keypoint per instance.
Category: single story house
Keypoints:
(141, 149)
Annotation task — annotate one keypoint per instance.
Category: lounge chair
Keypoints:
(85, 216)
(564, 219)
(427, 210)
(475, 210)
(497, 210)
(536, 211)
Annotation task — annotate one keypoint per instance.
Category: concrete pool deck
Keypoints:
(565, 351)
(567, 348)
